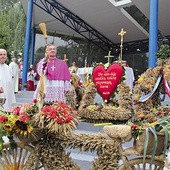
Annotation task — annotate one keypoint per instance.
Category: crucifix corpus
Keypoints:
(108, 57)
(121, 33)
(65, 57)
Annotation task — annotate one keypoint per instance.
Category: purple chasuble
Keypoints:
(57, 69)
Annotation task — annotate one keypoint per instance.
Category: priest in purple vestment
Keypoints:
(57, 76)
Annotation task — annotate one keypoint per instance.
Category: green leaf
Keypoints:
(146, 144)
(162, 120)
(166, 138)
(152, 129)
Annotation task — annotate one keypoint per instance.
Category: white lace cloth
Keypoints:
(54, 90)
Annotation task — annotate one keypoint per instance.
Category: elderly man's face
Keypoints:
(51, 51)
(3, 56)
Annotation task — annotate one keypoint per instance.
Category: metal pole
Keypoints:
(32, 46)
(153, 33)
(27, 41)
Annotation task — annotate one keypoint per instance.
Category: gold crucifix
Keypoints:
(65, 57)
(108, 58)
(121, 33)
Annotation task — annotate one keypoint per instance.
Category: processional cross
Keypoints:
(121, 33)
(108, 57)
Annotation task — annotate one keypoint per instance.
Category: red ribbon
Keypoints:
(166, 86)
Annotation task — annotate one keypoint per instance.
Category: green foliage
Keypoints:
(81, 51)
(12, 21)
(163, 52)
(4, 32)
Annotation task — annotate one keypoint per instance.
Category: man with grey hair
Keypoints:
(6, 87)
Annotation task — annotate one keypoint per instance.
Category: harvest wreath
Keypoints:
(111, 110)
(147, 89)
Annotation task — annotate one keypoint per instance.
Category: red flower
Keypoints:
(64, 112)
(3, 119)
(53, 115)
(59, 112)
(133, 127)
(68, 119)
(60, 120)
(46, 110)
(35, 101)
(16, 110)
(24, 118)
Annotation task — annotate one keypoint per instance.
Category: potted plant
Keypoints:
(151, 138)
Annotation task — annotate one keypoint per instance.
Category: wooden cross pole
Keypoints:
(44, 31)
(41, 90)
(108, 57)
(121, 33)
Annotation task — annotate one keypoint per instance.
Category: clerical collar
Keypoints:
(52, 58)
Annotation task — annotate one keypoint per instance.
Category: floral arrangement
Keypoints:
(137, 128)
(57, 118)
(120, 109)
(27, 121)
(151, 109)
(18, 121)
(140, 124)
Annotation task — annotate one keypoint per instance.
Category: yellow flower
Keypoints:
(140, 80)
(29, 129)
(22, 128)
(115, 107)
(136, 97)
(8, 127)
(91, 107)
(12, 119)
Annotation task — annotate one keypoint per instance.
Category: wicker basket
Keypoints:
(140, 142)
